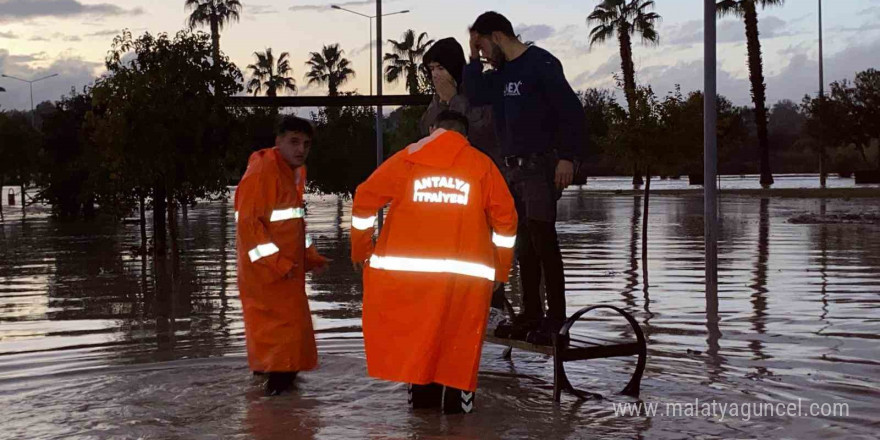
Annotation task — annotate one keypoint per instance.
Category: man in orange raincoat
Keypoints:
(274, 254)
(449, 234)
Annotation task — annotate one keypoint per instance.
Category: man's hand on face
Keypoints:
(564, 174)
(445, 85)
(475, 45)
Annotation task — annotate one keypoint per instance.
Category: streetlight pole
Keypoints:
(823, 174)
(380, 155)
(31, 84)
(710, 154)
(370, 17)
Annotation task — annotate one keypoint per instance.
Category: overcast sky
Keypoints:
(72, 37)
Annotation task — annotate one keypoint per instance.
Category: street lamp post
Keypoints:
(370, 17)
(710, 155)
(33, 121)
(31, 84)
(823, 173)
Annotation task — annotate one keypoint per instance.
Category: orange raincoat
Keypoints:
(274, 254)
(449, 234)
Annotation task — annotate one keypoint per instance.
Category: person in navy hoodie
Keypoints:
(540, 124)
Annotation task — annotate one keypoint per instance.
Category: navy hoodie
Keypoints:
(534, 108)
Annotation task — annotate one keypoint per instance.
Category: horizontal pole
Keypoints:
(600, 352)
(521, 345)
(328, 101)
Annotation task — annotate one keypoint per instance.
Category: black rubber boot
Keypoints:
(456, 401)
(425, 396)
(279, 382)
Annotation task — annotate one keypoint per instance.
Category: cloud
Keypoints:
(261, 9)
(792, 81)
(871, 24)
(729, 31)
(25, 9)
(56, 36)
(687, 33)
(801, 76)
(870, 11)
(9, 35)
(602, 76)
(105, 33)
(326, 7)
(571, 41)
(64, 37)
(21, 59)
(361, 49)
(536, 32)
(72, 73)
(689, 75)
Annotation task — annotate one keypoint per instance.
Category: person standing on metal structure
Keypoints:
(540, 124)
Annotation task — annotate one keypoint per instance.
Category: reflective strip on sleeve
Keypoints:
(309, 241)
(287, 214)
(263, 250)
(236, 216)
(362, 223)
(432, 265)
(503, 240)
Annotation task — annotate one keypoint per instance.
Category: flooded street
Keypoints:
(97, 343)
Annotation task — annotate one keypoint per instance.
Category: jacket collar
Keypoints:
(438, 150)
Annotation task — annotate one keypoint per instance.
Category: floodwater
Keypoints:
(96, 343)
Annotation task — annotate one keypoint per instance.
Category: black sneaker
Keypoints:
(519, 328)
(456, 401)
(279, 382)
(425, 396)
(504, 329)
(544, 334)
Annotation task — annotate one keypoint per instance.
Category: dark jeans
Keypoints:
(498, 298)
(538, 248)
(531, 182)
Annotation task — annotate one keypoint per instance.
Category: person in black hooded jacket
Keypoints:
(446, 61)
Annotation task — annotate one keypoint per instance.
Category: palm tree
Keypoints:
(214, 13)
(329, 67)
(623, 19)
(406, 59)
(748, 11)
(274, 76)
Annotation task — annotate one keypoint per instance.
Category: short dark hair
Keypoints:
(452, 120)
(294, 124)
(492, 21)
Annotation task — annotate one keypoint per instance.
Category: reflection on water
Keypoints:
(98, 342)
